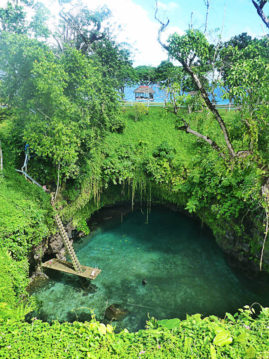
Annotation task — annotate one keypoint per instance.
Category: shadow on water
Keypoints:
(183, 270)
(77, 284)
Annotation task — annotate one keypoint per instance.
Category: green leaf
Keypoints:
(187, 344)
(222, 338)
(242, 338)
(250, 353)
(229, 316)
(213, 352)
(169, 323)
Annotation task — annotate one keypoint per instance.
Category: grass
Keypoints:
(151, 130)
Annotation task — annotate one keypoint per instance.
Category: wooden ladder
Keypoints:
(67, 243)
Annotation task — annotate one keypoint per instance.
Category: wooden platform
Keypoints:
(67, 267)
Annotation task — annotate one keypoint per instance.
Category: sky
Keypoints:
(139, 29)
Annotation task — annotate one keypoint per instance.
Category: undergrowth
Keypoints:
(211, 337)
(149, 160)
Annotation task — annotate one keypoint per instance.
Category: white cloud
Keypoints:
(170, 6)
(136, 28)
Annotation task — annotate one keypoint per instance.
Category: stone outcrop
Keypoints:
(115, 312)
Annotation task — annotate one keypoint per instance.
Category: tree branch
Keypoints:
(211, 107)
(207, 139)
(200, 87)
(162, 28)
(207, 4)
(83, 40)
(259, 8)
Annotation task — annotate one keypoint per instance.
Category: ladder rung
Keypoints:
(68, 244)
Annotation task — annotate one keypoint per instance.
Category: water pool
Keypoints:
(184, 269)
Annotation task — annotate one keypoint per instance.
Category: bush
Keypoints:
(140, 110)
(25, 215)
(13, 281)
(195, 337)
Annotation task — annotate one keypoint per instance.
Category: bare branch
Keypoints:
(259, 8)
(207, 4)
(73, 31)
(42, 113)
(162, 28)
(191, 20)
(187, 67)
(207, 139)
(211, 107)
(243, 153)
(60, 47)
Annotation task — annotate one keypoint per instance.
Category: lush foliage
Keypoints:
(62, 105)
(241, 337)
(25, 211)
(24, 219)
(89, 32)
(178, 170)
(13, 281)
(25, 17)
(213, 163)
(65, 98)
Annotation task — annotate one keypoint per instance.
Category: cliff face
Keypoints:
(241, 238)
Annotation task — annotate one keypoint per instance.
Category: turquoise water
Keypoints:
(161, 96)
(185, 272)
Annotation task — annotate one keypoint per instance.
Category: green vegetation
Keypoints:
(164, 170)
(63, 101)
(13, 281)
(158, 162)
(24, 220)
(194, 337)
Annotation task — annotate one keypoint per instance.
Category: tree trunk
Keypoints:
(212, 108)
(260, 12)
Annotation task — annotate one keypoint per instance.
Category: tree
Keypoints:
(244, 68)
(259, 5)
(145, 74)
(63, 105)
(165, 71)
(64, 99)
(80, 29)
(246, 80)
(15, 18)
(115, 61)
(85, 31)
(240, 41)
(244, 47)
(194, 53)
(1, 159)
(192, 50)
